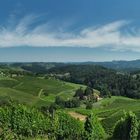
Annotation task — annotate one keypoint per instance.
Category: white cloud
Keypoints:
(27, 33)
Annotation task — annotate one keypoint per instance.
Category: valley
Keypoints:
(71, 95)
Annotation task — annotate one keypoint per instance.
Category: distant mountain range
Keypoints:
(43, 67)
(119, 65)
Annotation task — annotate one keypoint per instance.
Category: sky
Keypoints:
(69, 30)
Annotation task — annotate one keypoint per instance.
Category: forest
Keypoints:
(107, 81)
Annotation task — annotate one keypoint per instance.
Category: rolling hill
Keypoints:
(37, 67)
(110, 110)
(30, 90)
(121, 65)
(41, 91)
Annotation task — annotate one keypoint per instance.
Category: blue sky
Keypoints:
(69, 30)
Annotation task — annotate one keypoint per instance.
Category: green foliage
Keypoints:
(86, 94)
(108, 110)
(89, 105)
(88, 91)
(60, 101)
(93, 128)
(127, 127)
(7, 134)
(35, 91)
(139, 131)
(105, 80)
(69, 128)
(79, 93)
(71, 103)
(45, 92)
(18, 121)
(23, 121)
(104, 91)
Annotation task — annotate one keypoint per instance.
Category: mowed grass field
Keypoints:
(29, 89)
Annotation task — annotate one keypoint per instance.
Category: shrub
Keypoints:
(22, 120)
(18, 121)
(89, 105)
(69, 103)
(88, 91)
(69, 127)
(79, 93)
(72, 103)
(127, 127)
(59, 101)
(93, 128)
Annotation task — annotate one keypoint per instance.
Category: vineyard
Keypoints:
(21, 122)
(29, 87)
(29, 110)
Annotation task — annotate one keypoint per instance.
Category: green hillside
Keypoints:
(110, 110)
(31, 90)
(38, 91)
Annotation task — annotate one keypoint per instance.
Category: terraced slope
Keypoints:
(109, 110)
(31, 89)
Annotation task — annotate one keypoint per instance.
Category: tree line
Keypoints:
(107, 81)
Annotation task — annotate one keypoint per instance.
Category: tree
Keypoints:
(89, 105)
(59, 101)
(79, 93)
(103, 79)
(127, 127)
(93, 128)
(104, 91)
(72, 103)
(88, 91)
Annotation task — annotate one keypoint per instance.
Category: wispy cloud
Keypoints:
(28, 32)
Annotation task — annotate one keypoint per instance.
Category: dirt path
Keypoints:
(78, 116)
(40, 92)
(39, 95)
